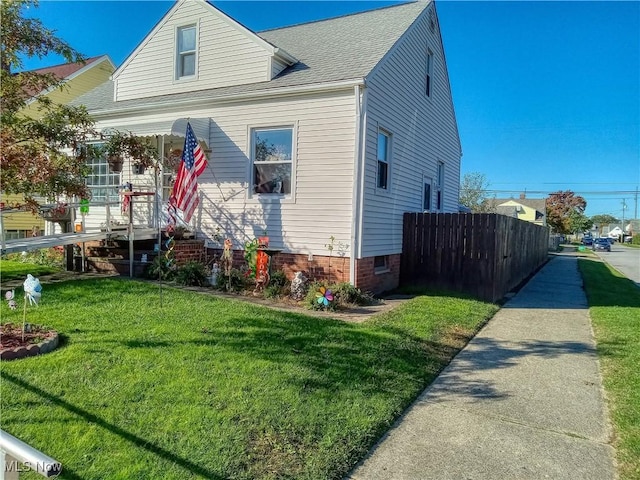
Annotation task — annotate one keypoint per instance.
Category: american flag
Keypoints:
(185, 190)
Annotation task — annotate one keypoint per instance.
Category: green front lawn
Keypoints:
(11, 269)
(614, 306)
(185, 385)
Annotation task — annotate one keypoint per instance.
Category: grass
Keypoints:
(614, 306)
(205, 387)
(11, 269)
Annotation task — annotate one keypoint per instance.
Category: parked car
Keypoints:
(601, 244)
(587, 241)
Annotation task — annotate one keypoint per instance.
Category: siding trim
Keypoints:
(249, 96)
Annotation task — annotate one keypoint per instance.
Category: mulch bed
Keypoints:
(11, 335)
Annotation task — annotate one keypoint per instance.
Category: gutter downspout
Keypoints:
(358, 175)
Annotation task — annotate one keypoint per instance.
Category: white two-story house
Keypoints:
(333, 128)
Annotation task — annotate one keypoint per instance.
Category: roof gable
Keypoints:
(226, 53)
(328, 52)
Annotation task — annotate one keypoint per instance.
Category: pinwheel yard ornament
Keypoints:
(324, 297)
(32, 290)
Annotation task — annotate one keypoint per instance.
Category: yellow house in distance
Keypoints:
(530, 210)
(78, 78)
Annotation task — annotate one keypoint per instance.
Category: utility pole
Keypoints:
(635, 210)
(624, 206)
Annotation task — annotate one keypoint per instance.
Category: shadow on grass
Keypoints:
(91, 418)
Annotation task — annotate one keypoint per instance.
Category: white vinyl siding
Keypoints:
(324, 152)
(276, 67)
(226, 56)
(424, 132)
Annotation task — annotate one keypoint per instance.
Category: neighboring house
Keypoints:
(333, 128)
(530, 210)
(79, 78)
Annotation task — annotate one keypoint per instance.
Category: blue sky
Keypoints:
(547, 94)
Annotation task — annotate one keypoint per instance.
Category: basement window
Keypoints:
(381, 264)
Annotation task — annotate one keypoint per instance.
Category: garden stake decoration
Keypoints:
(32, 292)
(227, 261)
(169, 258)
(11, 299)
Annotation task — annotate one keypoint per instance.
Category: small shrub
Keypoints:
(161, 268)
(344, 296)
(635, 240)
(347, 294)
(192, 274)
(278, 279)
(50, 257)
(278, 285)
(236, 282)
(311, 300)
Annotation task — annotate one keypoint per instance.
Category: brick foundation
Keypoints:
(113, 257)
(367, 279)
(317, 269)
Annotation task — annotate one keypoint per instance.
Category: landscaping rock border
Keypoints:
(32, 350)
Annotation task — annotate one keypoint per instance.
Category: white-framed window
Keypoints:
(186, 52)
(427, 194)
(272, 152)
(440, 187)
(429, 73)
(384, 158)
(101, 181)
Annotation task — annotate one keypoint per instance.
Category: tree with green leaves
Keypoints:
(561, 208)
(602, 220)
(473, 192)
(37, 154)
(579, 222)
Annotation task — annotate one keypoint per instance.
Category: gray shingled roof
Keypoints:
(342, 48)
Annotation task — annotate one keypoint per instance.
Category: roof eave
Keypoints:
(273, 92)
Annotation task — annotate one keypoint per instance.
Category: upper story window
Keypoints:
(186, 52)
(101, 181)
(440, 187)
(272, 160)
(384, 145)
(429, 78)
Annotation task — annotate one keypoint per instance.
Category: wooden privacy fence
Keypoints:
(482, 254)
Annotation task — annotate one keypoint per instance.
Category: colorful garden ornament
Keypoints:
(11, 299)
(324, 297)
(32, 290)
(33, 293)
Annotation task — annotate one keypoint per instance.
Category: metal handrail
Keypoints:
(16, 451)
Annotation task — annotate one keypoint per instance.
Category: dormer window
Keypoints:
(186, 48)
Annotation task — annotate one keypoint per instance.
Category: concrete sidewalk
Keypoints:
(523, 400)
